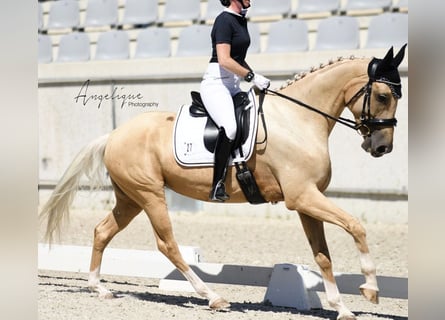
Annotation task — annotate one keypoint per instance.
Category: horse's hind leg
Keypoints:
(314, 230)
(122, 214)
(156, 210)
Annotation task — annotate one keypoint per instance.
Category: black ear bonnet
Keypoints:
(385, 70)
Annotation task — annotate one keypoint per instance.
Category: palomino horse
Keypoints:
(294, 167)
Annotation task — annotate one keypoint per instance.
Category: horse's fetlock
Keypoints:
(334, 302)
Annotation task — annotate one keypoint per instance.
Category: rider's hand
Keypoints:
(261, 82)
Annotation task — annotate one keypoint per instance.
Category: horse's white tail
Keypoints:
(89, 161)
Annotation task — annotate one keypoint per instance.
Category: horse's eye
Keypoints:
(382, 98)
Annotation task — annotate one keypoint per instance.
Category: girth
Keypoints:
(240, 101)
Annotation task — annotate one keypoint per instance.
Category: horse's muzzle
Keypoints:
(378, 143)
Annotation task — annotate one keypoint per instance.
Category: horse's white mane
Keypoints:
(303, 74)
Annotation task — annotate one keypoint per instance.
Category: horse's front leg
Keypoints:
(314, 230)
(314, 204)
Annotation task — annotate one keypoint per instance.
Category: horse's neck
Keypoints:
(324, 89)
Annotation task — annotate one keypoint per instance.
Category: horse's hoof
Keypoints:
(220, 304)
(370, 294)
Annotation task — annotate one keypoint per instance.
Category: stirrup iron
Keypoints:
(218, 193)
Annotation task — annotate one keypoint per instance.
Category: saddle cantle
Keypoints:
(242, 114)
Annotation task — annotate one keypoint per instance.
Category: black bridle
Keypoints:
(368, 123)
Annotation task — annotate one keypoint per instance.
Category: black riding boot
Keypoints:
(223, 149)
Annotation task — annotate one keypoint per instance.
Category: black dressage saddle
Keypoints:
(244, 176)
(242, 115)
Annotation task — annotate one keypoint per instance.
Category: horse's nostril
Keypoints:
(382, 149)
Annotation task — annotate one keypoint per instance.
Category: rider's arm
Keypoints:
(227, 62)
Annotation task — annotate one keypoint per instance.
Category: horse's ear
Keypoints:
(399, 57)
(389, 56)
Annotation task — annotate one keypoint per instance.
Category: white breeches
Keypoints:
(217, 89)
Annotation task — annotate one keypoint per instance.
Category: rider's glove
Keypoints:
(261, 82)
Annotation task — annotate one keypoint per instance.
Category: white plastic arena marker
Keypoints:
(123, 262)
(288, 287)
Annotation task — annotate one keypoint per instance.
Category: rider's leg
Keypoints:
(223, 149)
(217, 90)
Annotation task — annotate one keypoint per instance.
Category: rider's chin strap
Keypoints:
(242, 4)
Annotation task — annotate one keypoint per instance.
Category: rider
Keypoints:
(221, 81)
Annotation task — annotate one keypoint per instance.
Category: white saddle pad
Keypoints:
(188, 138)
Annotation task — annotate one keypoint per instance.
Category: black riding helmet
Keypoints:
(226, 3)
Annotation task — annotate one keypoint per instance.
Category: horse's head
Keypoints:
(376, 114)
